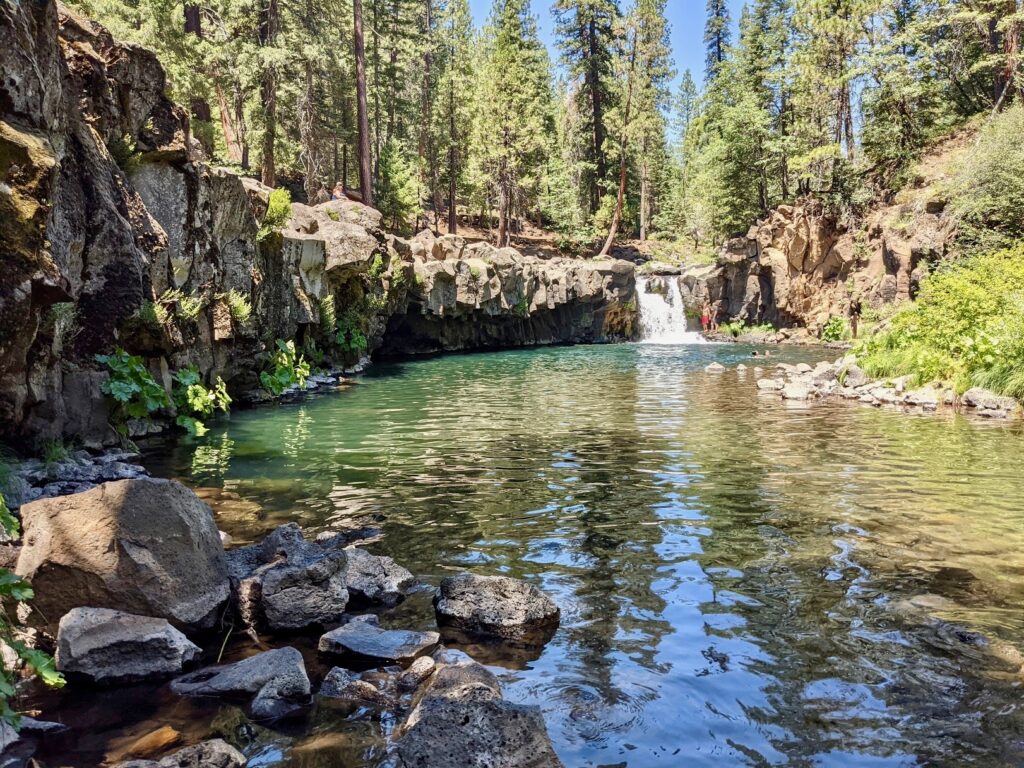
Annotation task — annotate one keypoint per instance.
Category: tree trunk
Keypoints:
(453, 218)
(234, 147)
(621, 198)
(504, 200)
(645, 200)
(365, 174)
(268, 92)
(308, 137)
(593, 82)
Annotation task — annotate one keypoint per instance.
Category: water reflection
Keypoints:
(743, 582)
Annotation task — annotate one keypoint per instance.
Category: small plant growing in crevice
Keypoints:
(377, 266)
(53, 452)
(333, 215)
(195, 401)
(522, 308)
(63, 319)
(287, 368)
(238, 307)
(328, 315)
(14, 591)
(279, 210)
(152, 315)
(189, 306)
(131, 386)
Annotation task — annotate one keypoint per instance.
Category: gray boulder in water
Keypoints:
(370, 644)
(374, 579)
(496, 607)
(215, 753)
(277, 678)
(145, 546)
(109, 646)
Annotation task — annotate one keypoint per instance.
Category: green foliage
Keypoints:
(350, 333)
(279, 210)
(988, 187)
(54, 451)
(328, 315)
(238, 307)
(189, 306)
(287, 368)
(397, 193)
(836, 329)
(737, 328)
(333, 215)
(152, 314)
(377, 266)
(63, 319)
(522, 308)
(131, 386)
(124, 153)
(14, 590)
(195, 402)
(966, 328)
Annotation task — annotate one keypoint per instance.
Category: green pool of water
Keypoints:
(742, 581)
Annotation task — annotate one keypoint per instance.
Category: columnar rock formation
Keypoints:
(113, 232)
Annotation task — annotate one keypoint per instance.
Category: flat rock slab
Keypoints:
(277, 677)
(110, 646)
(372, 644)
(496, 607)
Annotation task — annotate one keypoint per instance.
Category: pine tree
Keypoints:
(717, 35)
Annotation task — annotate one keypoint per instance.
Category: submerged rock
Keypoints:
(351, 689)
(496, 607)
(277, 678)
(371, 644)
(215, 753)
(373, 579)
(109, 646)
(148, 547)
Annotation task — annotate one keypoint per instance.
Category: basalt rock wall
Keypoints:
(799, 267)
(115, 233)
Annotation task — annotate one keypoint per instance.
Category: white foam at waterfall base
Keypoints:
(663, 314)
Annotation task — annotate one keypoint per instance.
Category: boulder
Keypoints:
(109, 646)
(215, 753)
(795, 390)
(714, 368)
(496, 607)
(287, 583)
(417, 672)
(277, 678)
(982, 399)
(373, 579)
(461, 721)
(770, 385)
(349, 688)
(145, 546)
(370, 644)
(853, 376)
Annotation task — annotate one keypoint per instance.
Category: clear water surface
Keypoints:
(742, 581)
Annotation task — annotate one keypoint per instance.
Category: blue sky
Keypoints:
(685, 16)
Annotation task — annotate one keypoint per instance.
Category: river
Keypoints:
(743, 581)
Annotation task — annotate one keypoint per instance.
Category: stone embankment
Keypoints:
(846, 380)
(115, 233)
(132, 584)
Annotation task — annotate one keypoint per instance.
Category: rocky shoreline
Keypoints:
(844, 379)
(133, 582)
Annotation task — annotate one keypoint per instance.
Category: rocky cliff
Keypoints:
(114, 233)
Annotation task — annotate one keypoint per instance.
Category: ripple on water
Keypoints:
(741, 582)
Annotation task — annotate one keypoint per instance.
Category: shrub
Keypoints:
(151, 314)
(14, 589)
(279, 210)
(287, 368)
(835, 329)
(189, 306)
(132, 386)
(328, 315)
(967, 328)
(195, 402)
(54, 451)
(63, 318)
(988, 186)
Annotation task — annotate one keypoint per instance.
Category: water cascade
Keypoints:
(663, 313)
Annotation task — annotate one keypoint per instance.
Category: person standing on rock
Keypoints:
(855, 310)
(716, 309)
(705, 316)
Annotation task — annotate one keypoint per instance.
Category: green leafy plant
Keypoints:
(131, 386)
(522, 308)
(287, 368)
(54, 451)
(835, 329)
(189, 306)
(279, 210)
(328, 315)
(152, 314)
(350, 335)
(63, 318)
(195, 401)
(377, 266)
(15, 590)
(475, 273)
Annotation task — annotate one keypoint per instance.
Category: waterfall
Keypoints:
(662, 312)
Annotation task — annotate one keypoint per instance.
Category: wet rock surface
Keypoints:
(82, 470)
(367, 643)
(277, 678)
(109, 646)
(215, 753)
(373, 579)
(496, 607)
(147, 547)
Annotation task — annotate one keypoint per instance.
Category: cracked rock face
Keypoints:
(277, 678)
(496, 607)
(114, 647)
(146, 546)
